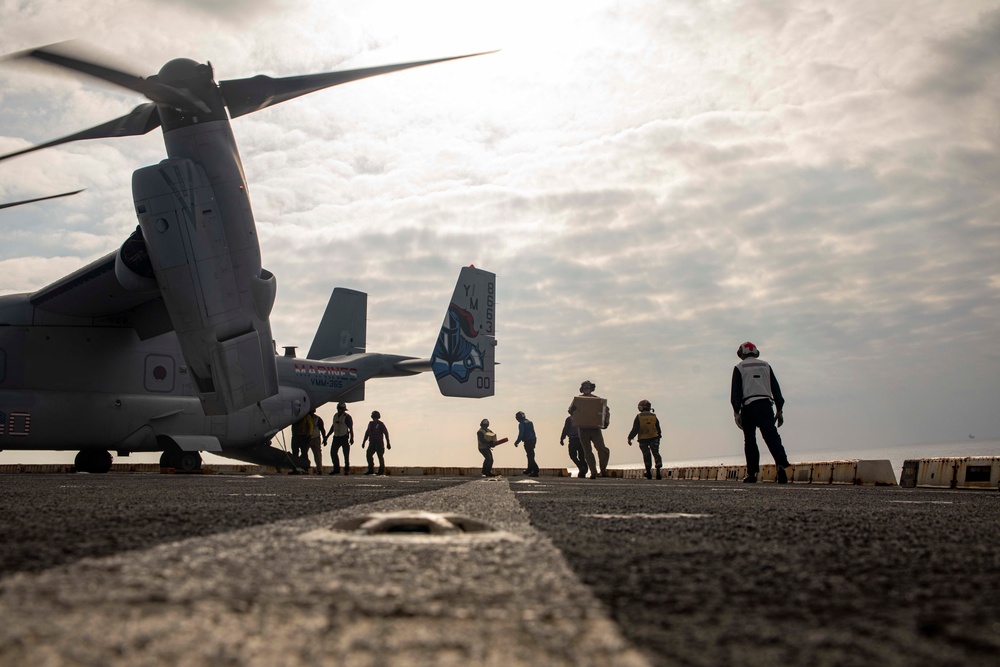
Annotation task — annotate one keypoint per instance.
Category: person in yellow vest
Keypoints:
(647, 426)
(301, 435)
(486, 440)
(316, 441)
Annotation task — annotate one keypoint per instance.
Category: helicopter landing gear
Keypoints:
(181, 461)
(93, 461)
(188, 461)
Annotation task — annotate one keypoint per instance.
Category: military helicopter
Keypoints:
(164, 344)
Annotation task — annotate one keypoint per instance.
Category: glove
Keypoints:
(629, 443)
(515, 444)
(562, 444)
(388, 446)
(779, 419)
(739, 421)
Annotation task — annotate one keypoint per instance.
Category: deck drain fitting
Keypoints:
(411, 527)
(413, 523)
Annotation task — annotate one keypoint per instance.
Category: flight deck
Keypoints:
(152, 569)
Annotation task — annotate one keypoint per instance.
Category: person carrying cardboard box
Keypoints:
(590, 415)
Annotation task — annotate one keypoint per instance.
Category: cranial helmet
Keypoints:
(645, 405)
(747, 349)
(376, 415)
(588, 383)
(341, 406)
(484, 423)
(519, 416)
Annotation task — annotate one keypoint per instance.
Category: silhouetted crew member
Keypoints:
(316, 441)
(754, 388)
(342, 432)
(301, 435)
(526, 434)
(575, 448)
(486, 440)
(591, 437)
(647, 426)
(374, 435)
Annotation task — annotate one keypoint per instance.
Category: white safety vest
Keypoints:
(756, 380)
(339, 424)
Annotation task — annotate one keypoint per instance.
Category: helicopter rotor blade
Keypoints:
(245, 96)
(31, 201)
(61, 55)
(140, 120)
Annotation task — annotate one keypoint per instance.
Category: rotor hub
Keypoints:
(181, 70)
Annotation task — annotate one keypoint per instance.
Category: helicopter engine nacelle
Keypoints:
(219, 300)
(133, 270)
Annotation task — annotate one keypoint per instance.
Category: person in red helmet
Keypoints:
(754, 389)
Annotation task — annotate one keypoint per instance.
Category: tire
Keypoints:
(188, 461)
(95, 461)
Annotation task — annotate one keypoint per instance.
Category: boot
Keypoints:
(782, 476)
(751, 478)
(658, 476)
(649, 475)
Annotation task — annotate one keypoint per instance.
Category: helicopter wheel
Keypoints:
(176, 458)
(188, 461)
(93, 461)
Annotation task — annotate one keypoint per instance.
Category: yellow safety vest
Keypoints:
(647, 426)
(304, 426)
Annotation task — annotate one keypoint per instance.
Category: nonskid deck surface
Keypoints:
(210, 569)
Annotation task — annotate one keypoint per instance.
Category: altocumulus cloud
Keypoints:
(653, 183)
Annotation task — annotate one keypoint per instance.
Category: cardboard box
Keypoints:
(590, 411)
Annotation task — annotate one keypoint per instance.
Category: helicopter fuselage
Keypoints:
(74, 387)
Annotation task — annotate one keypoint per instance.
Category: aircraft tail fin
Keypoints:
(464, 356)
(344, 327)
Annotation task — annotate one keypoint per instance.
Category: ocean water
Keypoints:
(895, 454)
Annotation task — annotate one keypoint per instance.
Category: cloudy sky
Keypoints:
(653, 183)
